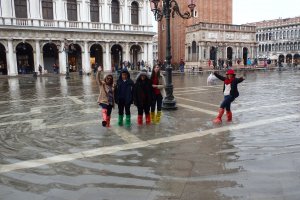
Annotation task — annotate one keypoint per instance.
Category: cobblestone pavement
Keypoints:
(54, 148)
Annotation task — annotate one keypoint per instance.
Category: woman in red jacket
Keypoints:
(230, 91)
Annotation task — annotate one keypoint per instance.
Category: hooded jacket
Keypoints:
(124, 88)
(104, 89)
(234, 90)
(142, 91)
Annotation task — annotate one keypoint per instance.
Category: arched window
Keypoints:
(115, 12)
(94, 9)
(72, 10)
(21, 8)
(270, 47)
(270, 36)
(259, 48)
(256, 37)
(134, 13)
(267, 36)
(259, 37)
(292, 34)
(47, 7)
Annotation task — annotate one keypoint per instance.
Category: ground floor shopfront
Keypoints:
(55, 51)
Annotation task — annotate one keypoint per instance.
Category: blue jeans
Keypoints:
(228, 99)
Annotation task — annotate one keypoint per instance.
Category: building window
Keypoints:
(115, 12)
(194, 51)
(72, 10)
(94, 9)
(47, 7)
(21, 8)
(134, 13)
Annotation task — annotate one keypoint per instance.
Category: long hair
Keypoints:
(153, 73)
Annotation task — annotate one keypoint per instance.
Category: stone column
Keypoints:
(126, 13)
(12, 69)
(145, 56)
(107, 60)
(127, 53)
(62, 58)
(150, 54)
(86, 67)
(37, 56)
(106, 13)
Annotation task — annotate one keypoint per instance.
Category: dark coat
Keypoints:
(140, 89)
(234, 90)
(127, 87)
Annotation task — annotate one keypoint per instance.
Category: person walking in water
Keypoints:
(106, 96)
(158, 84)
(230, 91)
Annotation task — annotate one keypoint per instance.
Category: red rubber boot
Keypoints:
(218, 119)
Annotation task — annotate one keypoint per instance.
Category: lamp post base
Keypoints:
(169, 104)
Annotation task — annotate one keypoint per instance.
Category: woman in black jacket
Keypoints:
(123, 97)
(230, 91)
(142, 96)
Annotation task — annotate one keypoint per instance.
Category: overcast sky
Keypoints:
(258, 10)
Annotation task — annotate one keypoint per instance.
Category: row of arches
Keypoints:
(193, 53)
(50, 56)
(289, 46)
(288, 34)
(289, 58)
(21, 8)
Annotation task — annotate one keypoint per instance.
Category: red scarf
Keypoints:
(228, 80)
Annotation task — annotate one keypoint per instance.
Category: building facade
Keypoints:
(209, 11)
(215, 42)
(75, 33)
(155, 49)
(279, 40)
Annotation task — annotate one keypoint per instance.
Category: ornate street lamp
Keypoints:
(168, 9)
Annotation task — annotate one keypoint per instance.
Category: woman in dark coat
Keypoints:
(123, 97)
(230, 91)
(142, 96)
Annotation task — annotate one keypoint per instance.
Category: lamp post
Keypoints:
(168, 9)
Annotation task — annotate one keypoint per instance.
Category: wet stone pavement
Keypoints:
(54, 148)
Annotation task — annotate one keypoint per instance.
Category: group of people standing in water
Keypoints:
(147, 93)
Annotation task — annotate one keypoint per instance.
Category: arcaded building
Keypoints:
(212, 41)
(208, 11)
(77, 33)
(279, 39)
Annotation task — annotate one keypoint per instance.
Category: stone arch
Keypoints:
(25, 59)
(50, 56)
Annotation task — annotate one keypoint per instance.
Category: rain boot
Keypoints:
(158, 116)
(152, 114)
(229, 116)
(140, 120)
(108, 121)
(127, 121)
(148, 119)
(104, 117)
(120, 120)
(218, 119)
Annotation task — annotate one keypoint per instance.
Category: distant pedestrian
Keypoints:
(181, 65)
(158, 84)
(40, 69)
(123, 97)
(142, 96)
(106, 96)
(230, 91)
